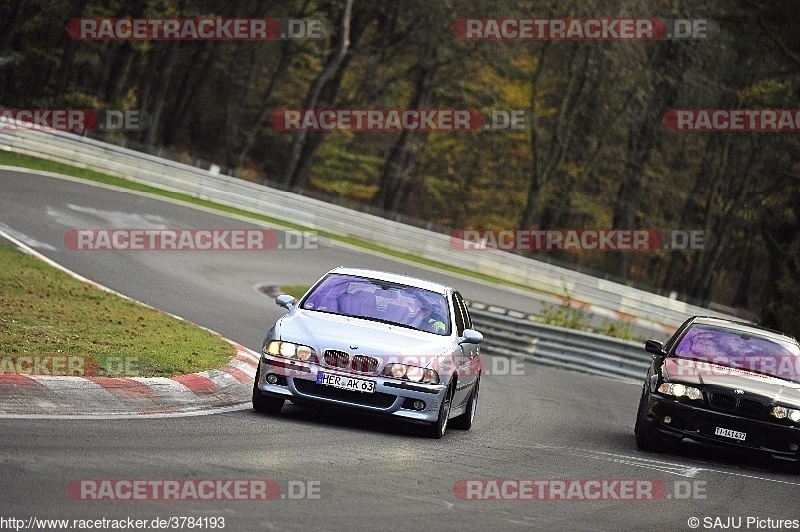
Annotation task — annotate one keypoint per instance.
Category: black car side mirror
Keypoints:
(656, 348)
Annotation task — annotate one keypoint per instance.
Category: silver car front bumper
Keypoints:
(392, 397)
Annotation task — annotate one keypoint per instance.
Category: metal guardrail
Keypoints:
(591, 353)
(165, 174)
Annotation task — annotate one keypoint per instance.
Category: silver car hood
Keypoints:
(322, 331)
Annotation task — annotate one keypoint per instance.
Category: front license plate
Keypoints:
(346, 383)
(728, 433)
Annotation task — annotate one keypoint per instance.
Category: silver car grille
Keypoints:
(364, 364)
(337, 359)
(359, 363)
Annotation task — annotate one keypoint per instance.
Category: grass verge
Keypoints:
(51, 323)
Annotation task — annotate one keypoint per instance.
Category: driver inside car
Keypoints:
(429, 321)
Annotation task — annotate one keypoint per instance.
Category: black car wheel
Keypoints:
(464, 421)
(646, 440)
(264, 403)
(439, 427)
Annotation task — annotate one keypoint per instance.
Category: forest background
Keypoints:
(597, 153)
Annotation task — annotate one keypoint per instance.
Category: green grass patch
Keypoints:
(563, 315)
(51, 323)
(619, 329)
(295, 290)
(567, 316)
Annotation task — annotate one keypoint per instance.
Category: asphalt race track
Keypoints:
(334, 471)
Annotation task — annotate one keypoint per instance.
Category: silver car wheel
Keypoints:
(464, 421)
(264, 403)
(439, 427)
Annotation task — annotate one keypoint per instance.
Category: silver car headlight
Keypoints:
(680, 390)
(411, 373)
(288, 350)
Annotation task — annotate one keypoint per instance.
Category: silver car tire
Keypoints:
(437, 429)
(464, 421)
(264, 403)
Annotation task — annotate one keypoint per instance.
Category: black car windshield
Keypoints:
(741, 349)
(378, 300)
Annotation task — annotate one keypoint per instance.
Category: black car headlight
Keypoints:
(411, 373)
(781, 412)
(680, 390)
(288, 350)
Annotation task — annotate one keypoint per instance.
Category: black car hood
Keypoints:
(693, 372)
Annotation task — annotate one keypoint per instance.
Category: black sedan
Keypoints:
(724, 383)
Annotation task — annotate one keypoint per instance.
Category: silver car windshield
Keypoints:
(739, 349)
(374, 299)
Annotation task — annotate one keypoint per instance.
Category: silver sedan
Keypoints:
(376, 342)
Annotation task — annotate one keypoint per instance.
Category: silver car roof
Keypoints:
(394, 278)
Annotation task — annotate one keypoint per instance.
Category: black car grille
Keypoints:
(730, 403)
(378, 399)
(364, 364)
(748, 406)
(337, 359)
(723, 401)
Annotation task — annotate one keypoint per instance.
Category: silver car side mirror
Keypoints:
(470, 336)
(286, 301)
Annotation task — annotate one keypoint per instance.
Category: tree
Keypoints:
(290, 176)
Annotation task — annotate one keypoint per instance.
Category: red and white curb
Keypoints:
(207, 392)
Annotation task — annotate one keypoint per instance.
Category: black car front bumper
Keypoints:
(697, 421)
